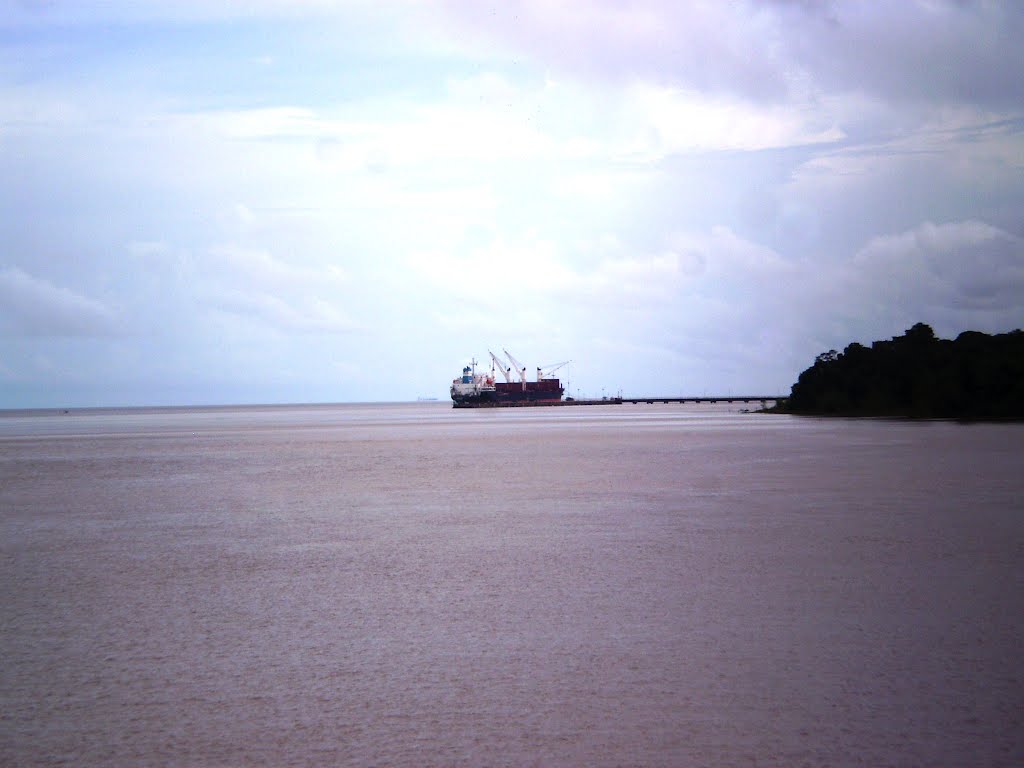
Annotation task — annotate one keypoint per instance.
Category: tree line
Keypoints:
(975, 376)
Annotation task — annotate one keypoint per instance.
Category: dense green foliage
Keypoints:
(975, 376)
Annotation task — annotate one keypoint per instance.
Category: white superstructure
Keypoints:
(472, 384)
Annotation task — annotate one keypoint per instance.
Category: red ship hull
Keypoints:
(547, 389)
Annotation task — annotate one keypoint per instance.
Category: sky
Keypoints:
(274, 201)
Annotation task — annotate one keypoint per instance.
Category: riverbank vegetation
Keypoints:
(975, 376)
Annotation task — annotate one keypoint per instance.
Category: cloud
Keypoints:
(89, 12)
(691, 268)
(491, 122)
(308, 315)
(250, 285)
(737, 310)
(941, 51)
(35, 307)
(771, 51)
(708, 190)
(261, 270)
(949, 272)
(677, 121)
(708, 46)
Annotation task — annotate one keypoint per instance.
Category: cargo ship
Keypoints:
(482, 390)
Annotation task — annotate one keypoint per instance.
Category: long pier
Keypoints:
(704, 399)
(619, 400)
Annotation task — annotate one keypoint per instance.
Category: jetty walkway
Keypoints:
(617, 400)
(702, 399)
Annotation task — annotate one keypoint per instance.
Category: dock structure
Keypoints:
(652, 399)
(619, 400)
(705, 399)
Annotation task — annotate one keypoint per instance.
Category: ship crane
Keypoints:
(520, 368)
(501, 367)
(550, 369)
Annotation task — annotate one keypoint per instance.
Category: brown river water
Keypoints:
(412, 585)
